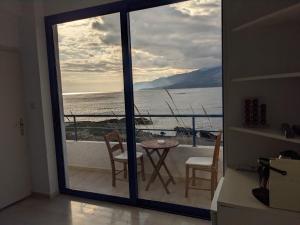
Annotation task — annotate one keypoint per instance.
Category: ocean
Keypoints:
(182, 101)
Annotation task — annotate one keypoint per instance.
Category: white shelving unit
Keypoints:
(267, 77)
(263, 49)
(266, 132)
(286, 15)
(261, 60)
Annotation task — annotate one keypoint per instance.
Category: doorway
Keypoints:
(100, 65)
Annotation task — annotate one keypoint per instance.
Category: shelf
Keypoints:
(267, 77)
(289, 14)
(265, 132)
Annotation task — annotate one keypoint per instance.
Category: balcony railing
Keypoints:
(192, 131)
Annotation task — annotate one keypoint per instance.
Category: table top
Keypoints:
(153, 144)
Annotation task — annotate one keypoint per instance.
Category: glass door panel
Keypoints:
(91, 72)
(176, 54)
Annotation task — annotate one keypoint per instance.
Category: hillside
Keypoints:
(208, 77)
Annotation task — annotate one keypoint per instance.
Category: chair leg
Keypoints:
(143, 169)
(213, 183)
(125, 170)
(215, 180)
(187, 179)
(113, 177)
(194, 177)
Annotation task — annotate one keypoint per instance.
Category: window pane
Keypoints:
(177, 71)
(93, 99)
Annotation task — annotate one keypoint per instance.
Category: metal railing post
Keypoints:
(75, 128)
(194, 131)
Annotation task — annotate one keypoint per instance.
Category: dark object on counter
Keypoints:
(264, 171)
(287, 131)
(289, 154)
(264, 162)
(296, 129)
(262, 195)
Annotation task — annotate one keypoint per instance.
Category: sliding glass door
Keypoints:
(136, 92)
(93, 107)
(176, 55)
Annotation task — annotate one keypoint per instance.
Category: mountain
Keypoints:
(208, 77)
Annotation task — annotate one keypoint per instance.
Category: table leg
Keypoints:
(166, 168)
(156, 169)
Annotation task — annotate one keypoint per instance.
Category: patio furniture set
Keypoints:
(161, 148)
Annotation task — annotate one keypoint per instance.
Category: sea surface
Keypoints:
(175, 101)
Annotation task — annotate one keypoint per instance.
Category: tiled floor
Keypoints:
(65, 210)
(99, 181)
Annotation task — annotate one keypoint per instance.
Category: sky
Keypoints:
(165, 41)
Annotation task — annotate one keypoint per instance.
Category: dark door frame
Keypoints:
(124, 8)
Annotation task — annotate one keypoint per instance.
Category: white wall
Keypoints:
(38, 107)
(15, 177)
(10, 12)
(90, 154)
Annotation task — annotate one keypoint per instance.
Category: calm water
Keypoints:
(187, 101)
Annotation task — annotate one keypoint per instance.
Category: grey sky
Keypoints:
(166, 40)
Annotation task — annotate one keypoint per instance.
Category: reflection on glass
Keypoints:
(176, 52)
(90, 59)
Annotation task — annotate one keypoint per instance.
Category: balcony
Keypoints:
(89, 167)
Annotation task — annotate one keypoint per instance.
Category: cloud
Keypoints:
(199, 7)
(84, 49)
(165, 40)
(183, 40)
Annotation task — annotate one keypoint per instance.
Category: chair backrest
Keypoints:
(113, 136)
(217, 150)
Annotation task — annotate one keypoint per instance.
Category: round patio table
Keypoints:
(162, 150)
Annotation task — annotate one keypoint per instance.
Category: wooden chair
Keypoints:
(117, 154)
(207, 164)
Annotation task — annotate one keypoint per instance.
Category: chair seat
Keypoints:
(200, 161)
(124, 157)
